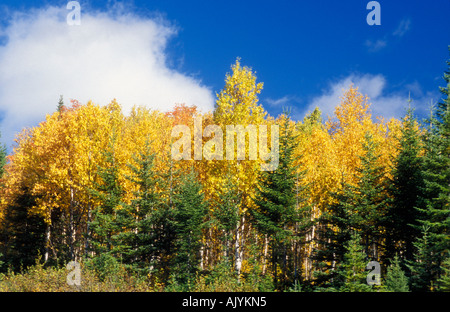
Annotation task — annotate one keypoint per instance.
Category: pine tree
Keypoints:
(189, 218)
(22, 234)
(405, 189)
(370, 198)
(423, 265)
(352, 271)
(162, 222)
(335, 228)
(226, 214)
(3, 154)
(444, 280)
(357, 207)
(276, 212)
(435, 201)
(396, 279)
(109, 192)
(60, 106)
(136, 220)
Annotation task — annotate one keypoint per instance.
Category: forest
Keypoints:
(99, 186)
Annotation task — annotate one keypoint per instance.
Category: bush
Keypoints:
(223, 278)
(53, 279)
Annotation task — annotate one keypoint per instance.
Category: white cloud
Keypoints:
(279, 102)
(114, 54)
(402, 28)
(383, 104)
(375, 46)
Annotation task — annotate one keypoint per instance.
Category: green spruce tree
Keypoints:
(396, 280)
(434, 204)
(444, 280)
(109, 192)
(352, 274)
(370, 199)
(406, 187)
(276, 213)
(356, 208)
(226, 216)
(22, 234)
(60, 106)
(136, 239)
(189, 219)
(423, 265)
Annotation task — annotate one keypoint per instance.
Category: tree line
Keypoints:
(95, 185)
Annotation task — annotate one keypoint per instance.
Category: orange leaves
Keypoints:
(182, 114)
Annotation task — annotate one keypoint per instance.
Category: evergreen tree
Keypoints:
(396, 279)
(137, 239)
(423, 265)
(189, 216)
(370, 198)
(60, 106)
(22, 234)
(145, 234)
(3, 154)
(359, 207)
(335, 228)
(109, 192)
(352, 273)
(405, 190)
(435, 201)
(276, 212)
(444, 280)
(226, 215)
(163, 225)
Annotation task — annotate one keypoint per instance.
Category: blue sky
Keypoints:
(305, 52)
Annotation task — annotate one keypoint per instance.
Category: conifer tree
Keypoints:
(335, 226)
(226, 214)
(435, 200)
(405, 190)
(163, 225)
(352, 271)
(276, 212)
(60, 106)
(357, 207)
(22, 234)
(370, 198)
(136, 220)
(396, 280)
(444, 280)
(189, 217)
(423, 264)
(3, 154)
(109, 193)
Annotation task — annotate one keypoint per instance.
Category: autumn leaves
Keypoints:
(58, 162)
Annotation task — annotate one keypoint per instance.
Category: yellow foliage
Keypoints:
(57, 161)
